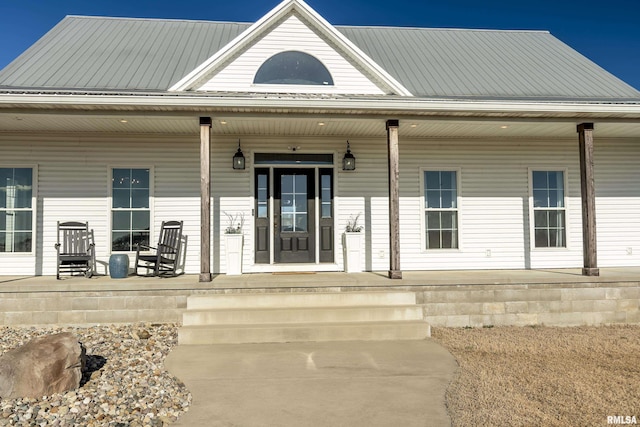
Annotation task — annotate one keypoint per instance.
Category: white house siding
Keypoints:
(292, 34)
(73, 184)
(617, 177)
(494, 203)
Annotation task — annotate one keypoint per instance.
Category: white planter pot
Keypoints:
(353, 255)
(233, 247)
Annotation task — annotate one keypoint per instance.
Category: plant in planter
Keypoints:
(235, 223)
(352, 225)
(352, 245)
(233, 242)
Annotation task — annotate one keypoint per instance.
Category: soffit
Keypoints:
(303, 127)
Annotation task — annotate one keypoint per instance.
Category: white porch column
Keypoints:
(205, 199)
(394, 200)
(588, 192)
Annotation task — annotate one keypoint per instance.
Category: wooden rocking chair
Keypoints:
(164, 262)
(75, 249)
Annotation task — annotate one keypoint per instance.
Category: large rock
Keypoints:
(44, 366)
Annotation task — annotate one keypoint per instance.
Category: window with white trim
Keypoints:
(441, 209)
(16, 209)
(130, 208)
(549, 209)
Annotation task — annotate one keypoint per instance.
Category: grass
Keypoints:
(543, 376)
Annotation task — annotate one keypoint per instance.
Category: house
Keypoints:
(454, 149)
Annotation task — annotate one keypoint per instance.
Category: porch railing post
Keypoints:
(205, 199)
(588, 193)
(394, 200)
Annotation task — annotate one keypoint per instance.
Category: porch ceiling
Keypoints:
(319, 126)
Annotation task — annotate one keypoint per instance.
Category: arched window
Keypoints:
(293, 68)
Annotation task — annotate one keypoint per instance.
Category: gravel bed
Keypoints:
(124, 383)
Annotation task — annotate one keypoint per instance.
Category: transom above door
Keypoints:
(294, 210)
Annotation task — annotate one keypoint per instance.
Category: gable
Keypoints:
(238, 73)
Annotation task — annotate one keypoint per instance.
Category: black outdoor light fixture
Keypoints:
(348, 161)
(238, 159)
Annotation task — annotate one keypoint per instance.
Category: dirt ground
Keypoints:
(543, 376)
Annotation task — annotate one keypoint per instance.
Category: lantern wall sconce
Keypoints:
(348, 161)
(238, 159)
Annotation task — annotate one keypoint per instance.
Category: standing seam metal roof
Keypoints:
(130, 54)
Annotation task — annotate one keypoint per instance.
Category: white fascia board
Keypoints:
(230, 48)
(391, 106)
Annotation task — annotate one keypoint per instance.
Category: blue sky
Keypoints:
(605, 31)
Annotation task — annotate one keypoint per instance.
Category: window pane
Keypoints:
(447, 239)
(448, 180)
(448, 199)
(5, 220)
(3, 196)
(262, 181)
(433, 220)
(140, 178)
(120, 241)
(433, 199)
(262, 194)
(295, 68)
(140, 238)
(3, 242)
(432, 180)
(540, 180)
(287, 222)
(540, 199)
(542, 238)
(301, 203)
(553, 199)
(121, 220)
(286, 184)
(301, 222)
(23, 220)
(541, 219)
(140, 198)
(121, 199)
(262, 211)
(433, 239)
(22, 242)
(121, 178)
(287, 203)
(301, 184)
(140, 220)
(447, 220)
(556, 179)
(326, 210)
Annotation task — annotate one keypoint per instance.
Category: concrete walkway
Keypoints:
(355, 383)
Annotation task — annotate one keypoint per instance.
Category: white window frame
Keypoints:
(110, 205)
(423, 209)
(34, 207)
(532, 231)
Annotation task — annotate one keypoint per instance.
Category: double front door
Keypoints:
(294, 215)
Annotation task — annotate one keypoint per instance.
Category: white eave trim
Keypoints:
(350, 106)
(254, 31)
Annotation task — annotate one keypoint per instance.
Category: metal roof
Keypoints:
(130, 54)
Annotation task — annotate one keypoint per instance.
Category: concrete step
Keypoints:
(300, 299)
(280, 333)
(260, 316)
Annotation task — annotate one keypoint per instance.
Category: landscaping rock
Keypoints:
(44, 366)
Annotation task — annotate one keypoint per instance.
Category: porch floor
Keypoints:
(265, 281)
